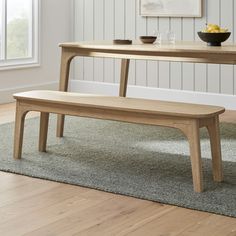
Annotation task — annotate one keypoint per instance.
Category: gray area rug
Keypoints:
(146, 162)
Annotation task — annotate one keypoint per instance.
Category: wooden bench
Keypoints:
(189, 118)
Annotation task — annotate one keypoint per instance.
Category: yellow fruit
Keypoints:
(213, 28)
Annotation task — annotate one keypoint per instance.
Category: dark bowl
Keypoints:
(148, 39)
(214, 39)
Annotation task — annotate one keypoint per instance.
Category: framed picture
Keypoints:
(171, 8)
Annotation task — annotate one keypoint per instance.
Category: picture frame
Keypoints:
(170, 8)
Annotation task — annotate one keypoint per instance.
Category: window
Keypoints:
(18, 33)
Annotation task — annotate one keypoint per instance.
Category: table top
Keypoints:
(182, 51)
(180, 46)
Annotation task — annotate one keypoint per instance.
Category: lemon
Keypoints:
(213, 28)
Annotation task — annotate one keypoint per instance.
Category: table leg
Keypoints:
(124, 77)
(66, 58)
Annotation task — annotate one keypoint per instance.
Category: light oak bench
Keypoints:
(188, 118)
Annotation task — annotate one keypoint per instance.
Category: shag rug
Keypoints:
(146, 162)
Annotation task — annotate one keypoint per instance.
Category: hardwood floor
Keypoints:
(33, 207)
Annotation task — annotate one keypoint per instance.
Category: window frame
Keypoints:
(34, 60)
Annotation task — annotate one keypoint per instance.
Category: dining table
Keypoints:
(195, 52)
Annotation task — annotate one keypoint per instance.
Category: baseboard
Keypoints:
(227, 101)
(6, 94)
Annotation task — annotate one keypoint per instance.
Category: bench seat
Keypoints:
(144, 106)
(188, 118)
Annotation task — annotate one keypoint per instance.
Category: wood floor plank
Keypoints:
(25, 191)
(53, 213)
(172, 223)
(31, 204)
(214, 225)
(10, 181)
(34, 207)
(128, 221)
(84, 219)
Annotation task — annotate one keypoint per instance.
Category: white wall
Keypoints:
(55, 28)
(108, 19)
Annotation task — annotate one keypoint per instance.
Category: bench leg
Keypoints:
(19, 130)
(60, 125)
(214, 134)
(43, 132)
(193, 134)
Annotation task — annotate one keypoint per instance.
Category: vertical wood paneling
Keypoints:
(152, 66)
(226, 81)
(188, 68)
(234, 36)
(109, 19)
(164, 67)
(119, 31)
(213, 72)
(79, 36)
(176, 67)
(99, 35)
(130, 33)
(108, 35)
(88, 36)
(200, 69)
(141, 66)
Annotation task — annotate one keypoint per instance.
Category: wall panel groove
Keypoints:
(109, 19)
